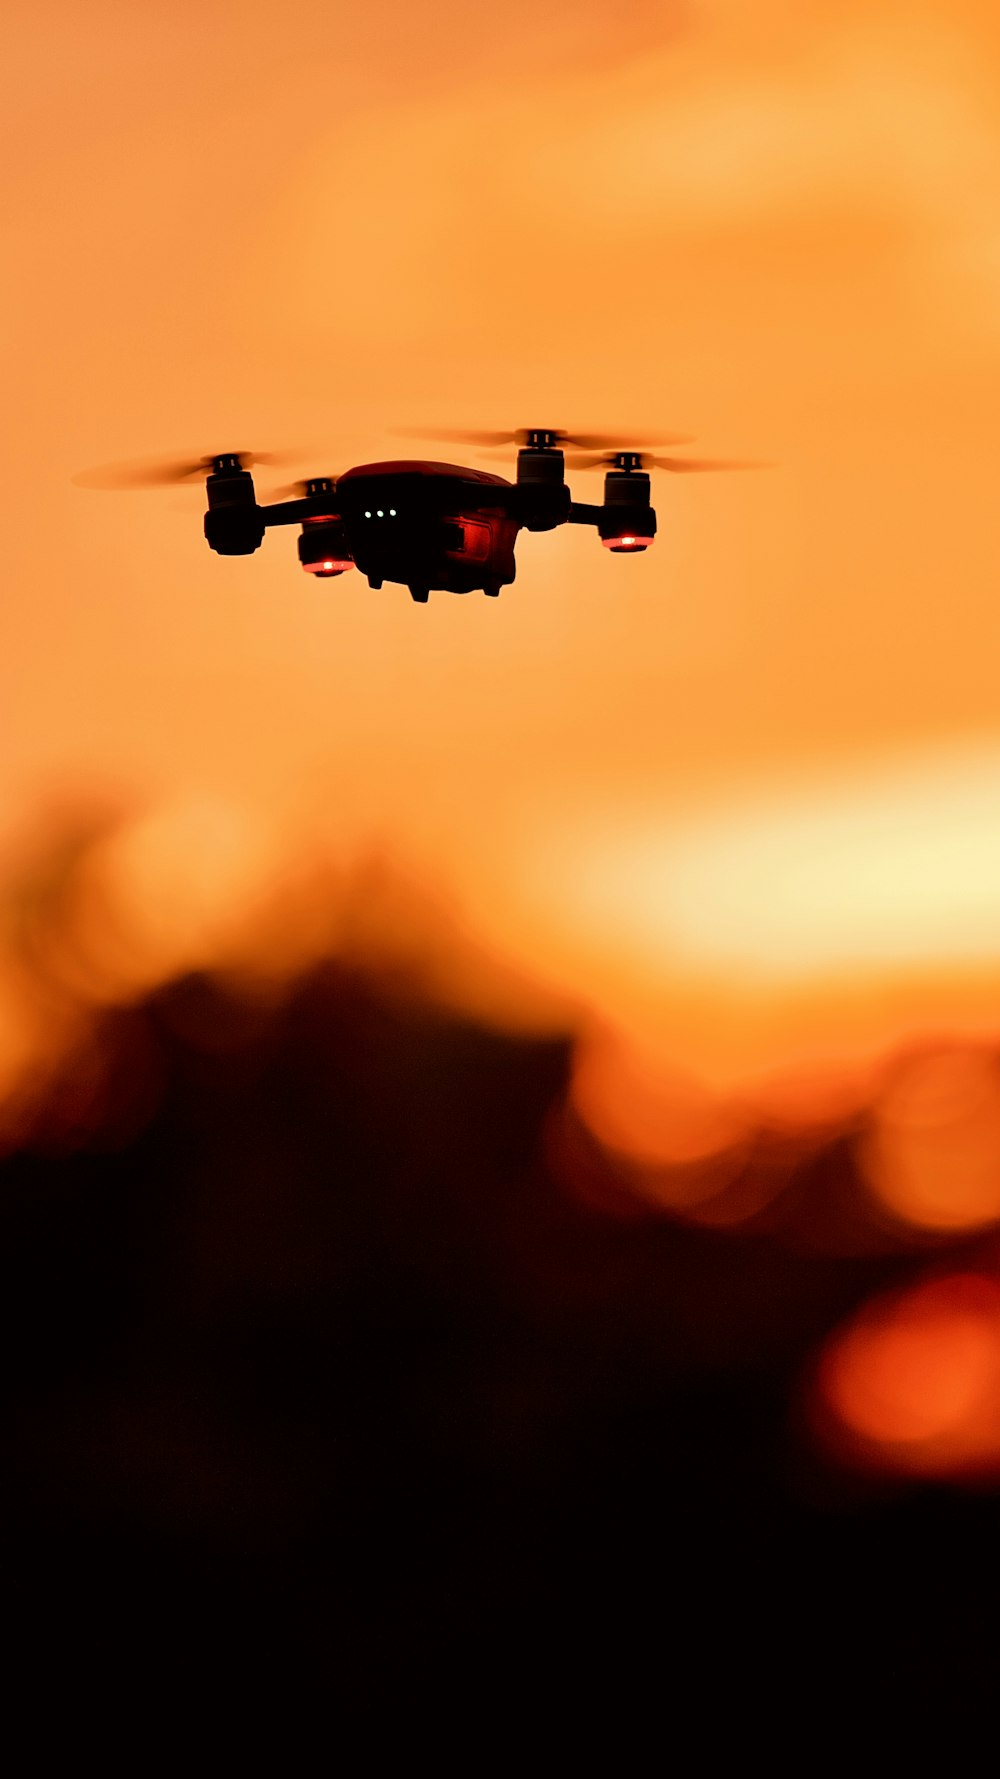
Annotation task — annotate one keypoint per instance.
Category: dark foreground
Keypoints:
(318, 1372)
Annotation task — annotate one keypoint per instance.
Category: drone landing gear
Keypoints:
(420, 594)
(492, 589)
(375, 581)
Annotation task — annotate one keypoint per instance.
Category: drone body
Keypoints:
(426, 525)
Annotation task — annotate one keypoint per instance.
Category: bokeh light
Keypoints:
(679, 1143)
(913, 1382)
(931, 1152)
(640, 1104)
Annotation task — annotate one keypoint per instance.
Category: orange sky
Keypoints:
(775, 227)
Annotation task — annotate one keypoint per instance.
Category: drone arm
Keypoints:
(582, 514)
(296, 512)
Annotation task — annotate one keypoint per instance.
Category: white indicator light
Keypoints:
(380, 514)
(392, 512)
(368, 515)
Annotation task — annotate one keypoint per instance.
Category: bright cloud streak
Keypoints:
(898, 868)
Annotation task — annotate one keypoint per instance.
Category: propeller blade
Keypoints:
(681, 466)
(686, 466)
(156, 473)
(595, 441)
(590, 441)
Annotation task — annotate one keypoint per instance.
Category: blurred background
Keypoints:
(500, 1102)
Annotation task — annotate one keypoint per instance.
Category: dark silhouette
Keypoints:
(319, 1363)
(426, 525)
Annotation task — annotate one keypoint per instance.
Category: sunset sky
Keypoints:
(743, 792)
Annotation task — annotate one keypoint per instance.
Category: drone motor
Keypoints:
(323, 546)
(541, 480)
(233, 524)
(628, 522)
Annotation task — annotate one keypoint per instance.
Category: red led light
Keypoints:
(330, 565)
(627, 542)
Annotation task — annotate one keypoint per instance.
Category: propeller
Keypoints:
(148, 472)
(680, 466)
(589, 441)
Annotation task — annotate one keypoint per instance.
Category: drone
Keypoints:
(428, 526)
